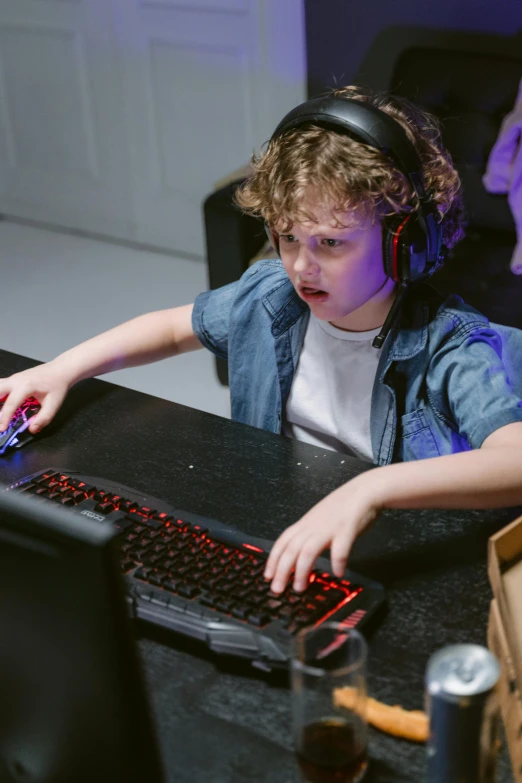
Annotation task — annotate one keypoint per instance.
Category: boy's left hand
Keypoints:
(334, 522)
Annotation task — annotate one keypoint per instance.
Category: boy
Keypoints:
(441, 400)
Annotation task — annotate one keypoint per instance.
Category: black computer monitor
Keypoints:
(73, 707)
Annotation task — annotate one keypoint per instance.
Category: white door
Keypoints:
(62, 160)
(200, 84)
(206, 81)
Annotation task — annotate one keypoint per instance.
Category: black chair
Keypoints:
(471, 93)
(233, 239)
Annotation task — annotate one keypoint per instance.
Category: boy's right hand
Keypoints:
(47, 383)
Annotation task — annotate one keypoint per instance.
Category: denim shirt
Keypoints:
(446, 377)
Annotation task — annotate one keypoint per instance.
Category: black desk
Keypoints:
(221, 723)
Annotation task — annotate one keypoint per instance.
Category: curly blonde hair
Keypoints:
(351, 175)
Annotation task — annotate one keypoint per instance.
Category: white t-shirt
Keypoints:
(330, 399)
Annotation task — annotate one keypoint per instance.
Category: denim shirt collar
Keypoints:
(409, 336)
(286, 307)
(407, 339)
(290, 317)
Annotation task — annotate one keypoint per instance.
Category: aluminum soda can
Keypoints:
(463, 711)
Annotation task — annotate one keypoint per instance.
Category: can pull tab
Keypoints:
(466, 671)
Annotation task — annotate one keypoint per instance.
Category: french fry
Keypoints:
(408, 724)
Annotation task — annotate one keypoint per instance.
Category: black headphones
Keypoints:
(412, 243)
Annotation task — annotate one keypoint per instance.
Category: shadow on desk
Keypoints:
(82, 399)
(428, 541)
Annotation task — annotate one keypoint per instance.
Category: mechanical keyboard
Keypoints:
(201, 578)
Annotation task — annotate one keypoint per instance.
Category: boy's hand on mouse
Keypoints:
(47, 383)
(334, 522)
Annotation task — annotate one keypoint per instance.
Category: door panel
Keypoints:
(45, 68)
(118, 116)
(62, 118)
(203, 90)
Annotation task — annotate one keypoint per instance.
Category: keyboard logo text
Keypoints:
(92, 515)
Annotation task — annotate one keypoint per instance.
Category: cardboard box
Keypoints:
(505, 631)
(508, 693)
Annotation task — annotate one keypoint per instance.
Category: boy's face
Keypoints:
(339, 272)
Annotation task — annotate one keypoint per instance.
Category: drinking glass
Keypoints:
(328, 671)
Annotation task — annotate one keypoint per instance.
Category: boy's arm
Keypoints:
(145, 339)
(489, 477)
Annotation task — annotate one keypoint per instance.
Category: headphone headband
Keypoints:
(365, 123)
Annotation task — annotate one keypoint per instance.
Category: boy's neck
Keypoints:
(372, 314)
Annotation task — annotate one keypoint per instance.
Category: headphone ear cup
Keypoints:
(392, 228)
(416, 249)
(405, 249)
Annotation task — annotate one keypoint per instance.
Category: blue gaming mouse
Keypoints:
(17, 434)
